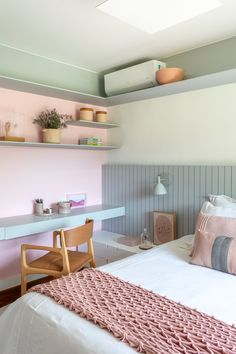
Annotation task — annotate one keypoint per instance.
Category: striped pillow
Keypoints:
(217, 225)
(217, 252)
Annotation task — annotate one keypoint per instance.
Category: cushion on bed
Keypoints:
(216, 225)
(227, 211)
(217, 252)
(222, 201)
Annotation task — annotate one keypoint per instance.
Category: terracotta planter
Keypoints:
(168, 75)
(51, 136)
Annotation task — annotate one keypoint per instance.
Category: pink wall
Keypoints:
(29, 173)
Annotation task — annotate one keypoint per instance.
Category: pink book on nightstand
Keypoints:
(130, 241)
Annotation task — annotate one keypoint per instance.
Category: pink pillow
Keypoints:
(217, 225)
(217, 252)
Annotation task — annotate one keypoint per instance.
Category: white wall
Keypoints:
(197, 127)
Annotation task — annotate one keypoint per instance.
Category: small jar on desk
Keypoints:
(64, 207)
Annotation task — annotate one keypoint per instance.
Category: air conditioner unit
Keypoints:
(134, 78)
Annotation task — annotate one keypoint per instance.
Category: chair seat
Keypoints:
(53, 261)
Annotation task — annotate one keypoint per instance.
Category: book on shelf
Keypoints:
(90, 141)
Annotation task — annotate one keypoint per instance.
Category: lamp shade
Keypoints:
(159, 188)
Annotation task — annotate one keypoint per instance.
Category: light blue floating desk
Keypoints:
(23, 225)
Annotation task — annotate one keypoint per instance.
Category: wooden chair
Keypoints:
(59, 260)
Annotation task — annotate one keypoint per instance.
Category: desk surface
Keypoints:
(23, 225)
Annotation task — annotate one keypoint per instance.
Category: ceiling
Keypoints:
(75, 32)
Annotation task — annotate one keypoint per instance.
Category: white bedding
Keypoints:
(35, 324)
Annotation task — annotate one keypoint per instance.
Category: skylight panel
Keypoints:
(152, 16)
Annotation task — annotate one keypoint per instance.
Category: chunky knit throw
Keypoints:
(148, 322)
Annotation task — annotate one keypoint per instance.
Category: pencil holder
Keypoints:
(38, 207)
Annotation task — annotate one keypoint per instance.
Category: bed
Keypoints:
(35, 324)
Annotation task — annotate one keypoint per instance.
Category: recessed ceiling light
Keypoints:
(155, 15)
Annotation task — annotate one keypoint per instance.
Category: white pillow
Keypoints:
(209, 208)
(222, 201)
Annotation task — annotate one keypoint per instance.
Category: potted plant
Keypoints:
(51, 123)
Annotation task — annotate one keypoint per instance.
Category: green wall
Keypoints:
(25, 66)
(21, 65)
(205, 60)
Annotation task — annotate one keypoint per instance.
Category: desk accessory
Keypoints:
(146, 244)
(64, 207)
(77, 200)
(38, 206)
(47, 212)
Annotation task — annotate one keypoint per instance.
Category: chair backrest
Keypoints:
(79, 235)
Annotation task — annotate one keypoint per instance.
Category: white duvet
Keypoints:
(35, 324)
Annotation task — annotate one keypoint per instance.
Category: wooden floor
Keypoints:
(10, 295)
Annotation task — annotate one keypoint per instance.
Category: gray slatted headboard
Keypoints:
(132, 186)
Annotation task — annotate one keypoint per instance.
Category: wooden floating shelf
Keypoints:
(59, 146)
(92, 124)
(197, 83)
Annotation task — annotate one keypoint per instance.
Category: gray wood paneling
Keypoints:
(132, 186)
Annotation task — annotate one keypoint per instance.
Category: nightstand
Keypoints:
(107, 249)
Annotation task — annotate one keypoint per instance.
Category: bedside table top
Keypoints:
(111, 239)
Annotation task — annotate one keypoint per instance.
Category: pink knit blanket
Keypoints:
(148, 322)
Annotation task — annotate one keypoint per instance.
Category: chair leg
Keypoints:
(92, 263)
(23, 283)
